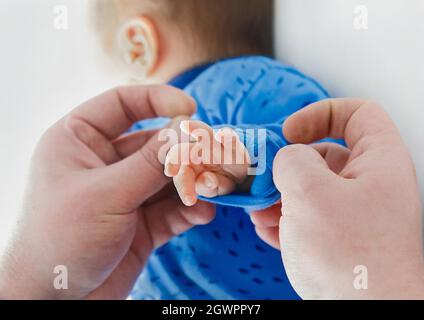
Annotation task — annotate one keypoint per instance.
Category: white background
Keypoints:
(45, 72)
(384, 63)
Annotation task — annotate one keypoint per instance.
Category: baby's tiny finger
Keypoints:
(185, 185)
(171, 166)
(196, 129)
(270, 236)
(178, 155)
(234, 150)
(226, 136)
(267, 218)
(207, 185)
(225, 185)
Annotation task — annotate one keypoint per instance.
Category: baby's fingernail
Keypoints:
(167, 170)
(171, 170)
(210, 183)
(189, 201)
(185, 126)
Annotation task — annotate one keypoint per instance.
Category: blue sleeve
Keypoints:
(253, 95)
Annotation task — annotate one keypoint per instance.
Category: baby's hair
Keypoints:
(219, 28)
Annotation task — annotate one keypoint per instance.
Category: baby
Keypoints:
(216, 51)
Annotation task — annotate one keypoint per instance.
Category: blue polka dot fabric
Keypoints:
(226, 259)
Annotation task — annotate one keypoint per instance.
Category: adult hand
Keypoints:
(96, 202)
(348, 214)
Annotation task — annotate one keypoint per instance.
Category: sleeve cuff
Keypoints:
(262, 145)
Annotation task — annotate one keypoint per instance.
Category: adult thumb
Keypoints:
(139, 176)
(300, 168)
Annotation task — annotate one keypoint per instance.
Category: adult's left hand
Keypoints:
(96, 202)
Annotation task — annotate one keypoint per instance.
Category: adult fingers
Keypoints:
(271, 236)
(113, 112)
(351, 119)
(131, 143)
(170, 217)
(300, 168)
(267, 218)
(334, 154)
(135, 178)
(159, 222)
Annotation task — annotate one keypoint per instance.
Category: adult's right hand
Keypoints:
(347, 210)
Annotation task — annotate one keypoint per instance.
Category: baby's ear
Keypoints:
(138, 42)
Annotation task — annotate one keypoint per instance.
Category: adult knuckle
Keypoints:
(311, 185)
(149, 156)
(289, 155)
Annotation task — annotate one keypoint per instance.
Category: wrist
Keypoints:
(19, 281)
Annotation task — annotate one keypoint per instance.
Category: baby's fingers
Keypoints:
(177, 156)
(207, 185)
(235, 151)
(210, 185)
(185, 184)
(227, 137)
(197, 130)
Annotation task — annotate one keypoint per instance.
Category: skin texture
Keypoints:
(98, 202)
(214, 164)
(346, 207)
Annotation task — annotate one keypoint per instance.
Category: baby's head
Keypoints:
(161, 38)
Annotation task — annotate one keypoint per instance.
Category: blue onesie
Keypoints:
(226, 259)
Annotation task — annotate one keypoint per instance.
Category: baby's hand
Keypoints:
(212, 164)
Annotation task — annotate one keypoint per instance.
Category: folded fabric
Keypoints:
(225, 259)
(250, 94)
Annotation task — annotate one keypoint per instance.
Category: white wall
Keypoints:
(384, 63)
(43, 74)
